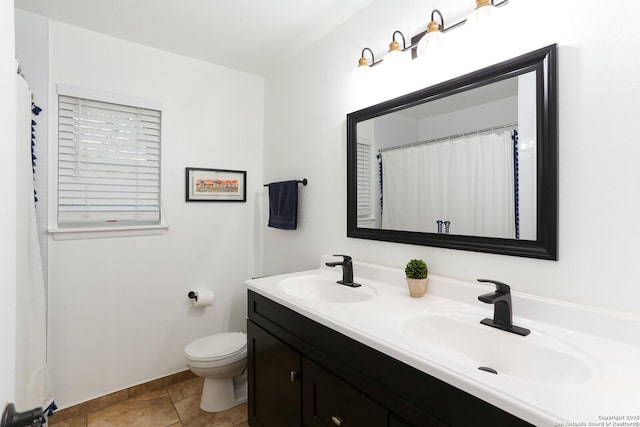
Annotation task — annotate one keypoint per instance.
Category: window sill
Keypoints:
(104, 233)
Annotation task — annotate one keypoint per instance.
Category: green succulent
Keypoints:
(416, 269)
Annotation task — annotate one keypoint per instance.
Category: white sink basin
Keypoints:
(460, 338)
(320, 288)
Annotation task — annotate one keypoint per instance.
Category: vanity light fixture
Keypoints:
(435, 31)
(434, 37)
(396, 56)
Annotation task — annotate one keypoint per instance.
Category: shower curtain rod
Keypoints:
(446, 138)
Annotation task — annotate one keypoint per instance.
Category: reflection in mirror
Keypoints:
(467, 164)
(461, 164)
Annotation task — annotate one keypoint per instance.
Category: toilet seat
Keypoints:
(229, 345)
(220, 359)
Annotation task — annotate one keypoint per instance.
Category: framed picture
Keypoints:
(216, 185)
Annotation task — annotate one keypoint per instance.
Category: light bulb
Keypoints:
(361, 83)
(484, 11)
(362, 70)
(432, 42)
(396, 60)
(486, 26)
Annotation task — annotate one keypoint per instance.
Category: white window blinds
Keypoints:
(364, 195)
(108, 163)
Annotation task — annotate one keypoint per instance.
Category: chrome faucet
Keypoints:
(347, 271)
(502, 316)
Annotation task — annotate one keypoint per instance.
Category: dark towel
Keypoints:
(283, 205)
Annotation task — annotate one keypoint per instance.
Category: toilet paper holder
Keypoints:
(201, 297)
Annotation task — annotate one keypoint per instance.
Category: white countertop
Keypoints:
(607, 343)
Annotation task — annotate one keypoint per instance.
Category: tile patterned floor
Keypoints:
(177, 405)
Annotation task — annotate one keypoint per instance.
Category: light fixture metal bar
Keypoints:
(416, 39)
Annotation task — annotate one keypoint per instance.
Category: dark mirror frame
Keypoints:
(544, 62)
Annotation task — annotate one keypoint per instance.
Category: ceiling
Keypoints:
(475, 97)
(248, 35)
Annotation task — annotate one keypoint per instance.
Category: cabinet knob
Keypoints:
(293, 376)
(336, 420)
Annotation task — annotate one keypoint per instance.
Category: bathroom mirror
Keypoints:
(470, 163)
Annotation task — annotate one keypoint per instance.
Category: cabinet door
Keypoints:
(330, 402)
(274, 380)
(395, 421)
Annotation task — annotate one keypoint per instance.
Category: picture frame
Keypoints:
(215, 185)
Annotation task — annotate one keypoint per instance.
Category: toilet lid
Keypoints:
(217, 346)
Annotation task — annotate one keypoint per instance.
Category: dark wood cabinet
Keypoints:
(302, 373)
(395, 421)
(328, 401)
(274, 376)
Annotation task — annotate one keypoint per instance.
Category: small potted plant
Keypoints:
(417, 272)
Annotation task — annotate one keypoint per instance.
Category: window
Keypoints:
(365, 194)
(108, 163)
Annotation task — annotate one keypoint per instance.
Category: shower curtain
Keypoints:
(468, 181)
(33, 387)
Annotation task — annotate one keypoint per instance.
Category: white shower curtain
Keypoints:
(468, 181)
(33, 387)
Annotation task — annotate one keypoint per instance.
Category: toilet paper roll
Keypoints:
(204, 297)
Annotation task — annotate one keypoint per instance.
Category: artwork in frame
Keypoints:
(216, 185)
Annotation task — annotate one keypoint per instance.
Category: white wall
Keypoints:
(527, 156)
(599, 96)
(491, 114)
(8, 206)
(393, 130)
(118, 308)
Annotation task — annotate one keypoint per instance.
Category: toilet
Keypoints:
(221, 359)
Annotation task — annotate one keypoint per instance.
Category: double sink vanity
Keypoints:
(324, 354)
